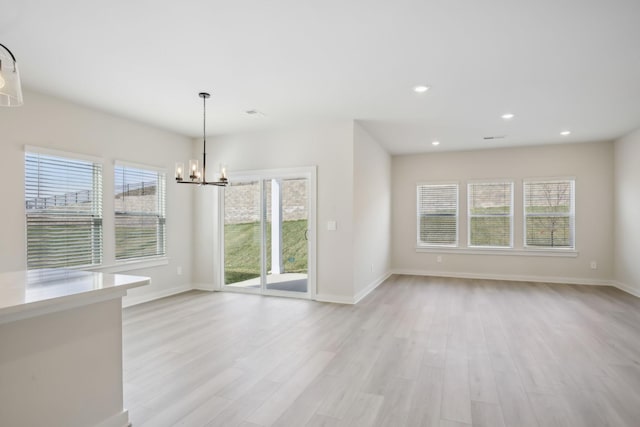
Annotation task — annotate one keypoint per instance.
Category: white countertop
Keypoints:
(30, 293)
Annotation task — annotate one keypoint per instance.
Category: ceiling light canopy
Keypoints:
(197, 175)
(10, 88)
(420, 89)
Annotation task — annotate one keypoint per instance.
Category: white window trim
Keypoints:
(572, 214)
(560, 252)
(59, 153)
(511, 213)
(419, 244)
(127, 164)
(132, 264)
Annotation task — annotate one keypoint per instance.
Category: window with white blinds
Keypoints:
(437, 214)
(549, 213)
(63, 200)
(490, 214)
(140, 222)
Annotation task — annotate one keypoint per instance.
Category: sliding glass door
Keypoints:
(267, 234)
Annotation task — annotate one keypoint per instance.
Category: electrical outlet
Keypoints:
(179, 270)
(439, 258)
(593, 265)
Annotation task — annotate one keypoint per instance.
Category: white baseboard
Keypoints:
(338, 299)
(370, 287)
(509, 277)
(341, 299)
(131, 300)
(203, 287)
(626, 288)
(117, 420)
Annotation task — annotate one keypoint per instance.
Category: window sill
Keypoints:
(138, 264)
(567, 253)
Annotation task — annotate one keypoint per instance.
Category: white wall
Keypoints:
(371, 212)
(48, 122)
(592, 166)
(627, 210)
(329, 146)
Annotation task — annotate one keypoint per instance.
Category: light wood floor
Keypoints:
(418, 351)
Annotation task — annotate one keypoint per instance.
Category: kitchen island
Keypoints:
(61, 348)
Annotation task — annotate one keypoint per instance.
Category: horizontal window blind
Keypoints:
(63, 201)
(549, 213)
(140, 222)
(490, 214)
(438, 214)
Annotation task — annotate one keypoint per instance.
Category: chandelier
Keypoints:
(10, 89)
(195, 174)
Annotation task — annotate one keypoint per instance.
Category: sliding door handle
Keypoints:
(306, 234)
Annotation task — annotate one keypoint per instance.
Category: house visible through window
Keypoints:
(549, 213)
(63, 201)
(437, 214)
(490, 213)
(139, 212)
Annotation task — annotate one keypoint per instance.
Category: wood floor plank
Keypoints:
(456, 399)
(482, 384)
(302, 410)
(363, 411)
(427, 398)
(486, 414)
(280, 401)
(322, 421)
(171, 411)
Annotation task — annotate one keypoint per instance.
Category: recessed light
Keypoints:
(565, 132)
(508, 116)
(435, 143)
(420, 89)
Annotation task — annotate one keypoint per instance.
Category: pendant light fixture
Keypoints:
(10, 89)
(195, 174)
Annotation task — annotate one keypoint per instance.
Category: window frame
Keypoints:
(421, 244)
(97, 240)
(510, 215)
(161, 212)
(571, 215)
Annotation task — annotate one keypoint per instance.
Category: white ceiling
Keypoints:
(556, 64)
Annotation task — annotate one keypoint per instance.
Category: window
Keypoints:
(438, 215)
(140, 212)
(549, 213)
(490, 216)
(63, 200)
